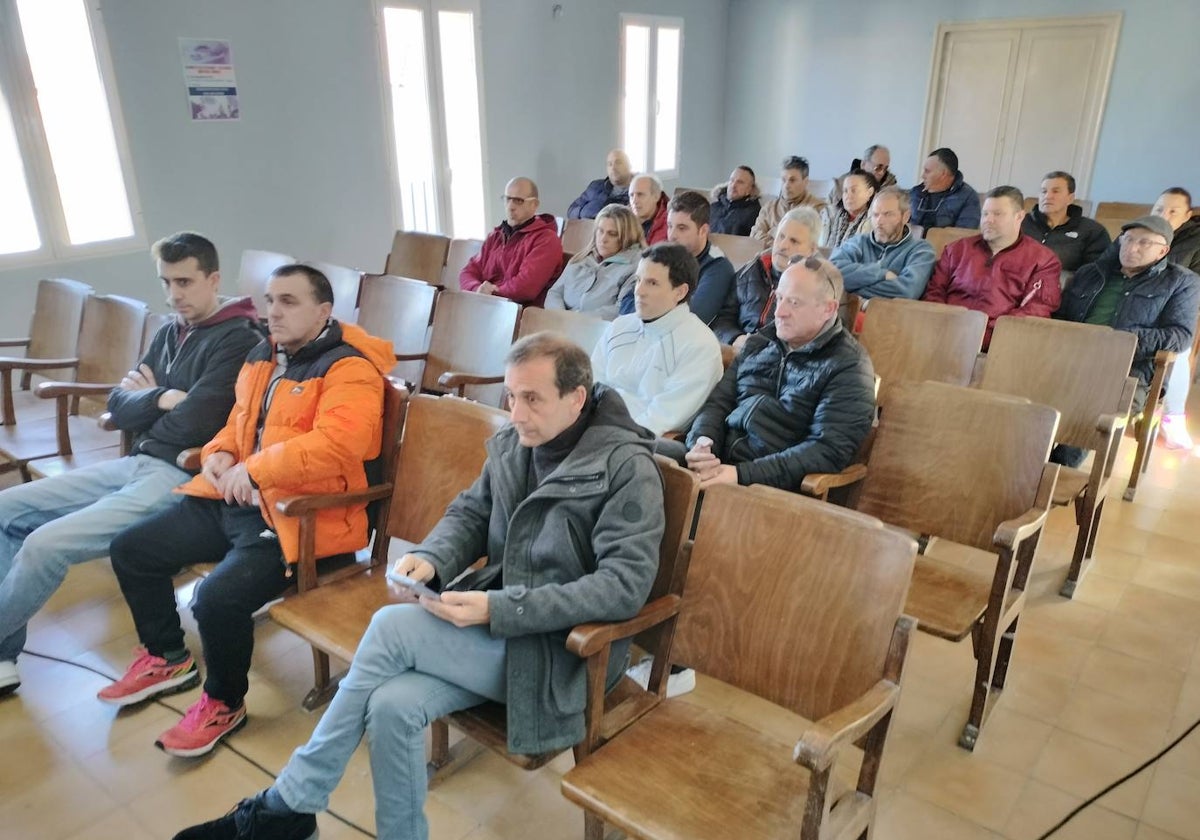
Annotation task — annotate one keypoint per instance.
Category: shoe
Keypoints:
(1175, 432)
(205, 724)
(250, 819)
(148, 676)
(677, 683)
(9, 678)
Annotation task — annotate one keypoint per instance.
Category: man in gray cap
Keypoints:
(1139, 290)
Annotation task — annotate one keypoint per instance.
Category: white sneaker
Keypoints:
(677, 684)
(10, 679)
(1175, 432)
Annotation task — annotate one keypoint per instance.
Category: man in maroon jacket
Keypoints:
(522, 256)
(1001, 271)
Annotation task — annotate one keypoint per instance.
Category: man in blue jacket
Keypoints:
(943, 198)
(178, 397)
(604, 191)
(889, 261)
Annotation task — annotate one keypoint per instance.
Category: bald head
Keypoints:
(520, 200)
(619, 169)
(806, 300)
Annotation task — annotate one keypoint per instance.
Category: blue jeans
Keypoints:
(46, 526)
(410, 669)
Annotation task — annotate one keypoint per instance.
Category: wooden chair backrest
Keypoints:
(956, 462)
(1113, 226)
(254, 272)
(345, 283)
(57, 313)
(584, 330)
(418, 255)
(1079, 369)
(155, 321)
(1122, 210)
(915, 340)
(460, 253)
(400, 310)
(577, 235)
(441, 454)
(681, 489)
(940, 237)
(739, 249)
(471, 334)
(110, 337)
(791, 599)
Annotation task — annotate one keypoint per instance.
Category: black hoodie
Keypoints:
(1185, 246)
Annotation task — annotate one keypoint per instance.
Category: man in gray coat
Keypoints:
(569, 512)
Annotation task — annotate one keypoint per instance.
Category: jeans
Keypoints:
(250, 572)
(46, 526)
(410, 669)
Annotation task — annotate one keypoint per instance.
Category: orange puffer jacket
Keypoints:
(323, 422)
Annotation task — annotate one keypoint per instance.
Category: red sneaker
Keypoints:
(150, 675)
(206, 723)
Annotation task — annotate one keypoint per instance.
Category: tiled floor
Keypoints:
(1098, 684)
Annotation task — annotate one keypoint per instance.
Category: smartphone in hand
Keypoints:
(412, 585)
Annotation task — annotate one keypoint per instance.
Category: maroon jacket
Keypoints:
(1020, 280)
(522, 263)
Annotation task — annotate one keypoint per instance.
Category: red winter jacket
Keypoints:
(656, 228)
(1020, 280)
(521, 263)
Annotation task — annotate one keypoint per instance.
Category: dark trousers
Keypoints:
(251, 571)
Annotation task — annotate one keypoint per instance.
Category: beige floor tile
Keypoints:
(1167, 577)
(1096, 823)
(37, 809)
(1141, 682)
(1185, 757)
(1173, 804)
(1081, 767)
(1049, 650)
(117, 824)
(1114, 562)
(1150, 642)
(907, 817)
(965, 784)
(1099, 590)
(1063, 617)
(1041, 807)
(482, 786)
(539, 810)
(1035, 693)
(1132, 540)
(1008, 738)
(1169, 612)
(1149, 832)
(1114, 721)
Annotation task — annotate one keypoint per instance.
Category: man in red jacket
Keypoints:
(1001, 271)
(522, 256)
(648, 201)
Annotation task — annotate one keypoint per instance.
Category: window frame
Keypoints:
(654, 23)
(16, 84)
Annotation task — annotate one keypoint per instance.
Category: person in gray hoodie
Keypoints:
(569, 512)
(889, 261)
(595, 280)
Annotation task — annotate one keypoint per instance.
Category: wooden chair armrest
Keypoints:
(587, 640)
(21, 363)
(411, 357)
(819, 745)
(1011, 533)
(819, 484)
(674, 435)
(457, 381)
(1111, 424)
(50, 390)
(300, 505)
(189, 459)
(15, 342)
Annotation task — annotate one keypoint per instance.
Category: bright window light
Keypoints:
(18, 225)
(460, 104)
(666, 87)
(412, 130)
(650, 81)
(637, 95)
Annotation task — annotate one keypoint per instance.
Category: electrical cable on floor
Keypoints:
(180, 712)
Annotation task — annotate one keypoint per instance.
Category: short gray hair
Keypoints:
(572, 364)
(900, 194)
(658, 185)
(871, 150)
(806, 216)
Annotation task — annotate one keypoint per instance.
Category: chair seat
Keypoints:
(745, 783)
(1070, 486)
(38, 439)
(60, 464)
(29, 406)
(947, 599)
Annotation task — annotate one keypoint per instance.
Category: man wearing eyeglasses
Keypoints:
(1139, 290)
(522, 256)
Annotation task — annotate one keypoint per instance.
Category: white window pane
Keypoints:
(464, 145)
(666, 87)
(76, 119)
(637, 95)
(404, 31)
(18, 227)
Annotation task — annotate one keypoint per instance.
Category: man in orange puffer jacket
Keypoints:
(307, 417)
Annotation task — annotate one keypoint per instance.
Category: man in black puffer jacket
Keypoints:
(798, 399)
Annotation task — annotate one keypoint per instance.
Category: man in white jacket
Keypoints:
(660, 358)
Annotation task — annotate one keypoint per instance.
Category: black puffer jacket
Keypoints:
(1185, 247)
(1159, 306)
(778, 415)
(748, 305)
(733, 217)
(1076, 242)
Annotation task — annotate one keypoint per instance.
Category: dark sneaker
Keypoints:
(250, 820)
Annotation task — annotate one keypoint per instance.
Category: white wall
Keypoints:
(826, 80)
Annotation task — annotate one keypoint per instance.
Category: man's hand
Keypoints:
(170, 398)
(417, 568)
(890, 275)
(700, 458)
(215, 466)
(723, 474)
(740, 342)
(234, 484)
(462, 609)
(141, 379)
(486, 288)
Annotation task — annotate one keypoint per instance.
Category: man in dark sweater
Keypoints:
(178, 397)
(1059, 224)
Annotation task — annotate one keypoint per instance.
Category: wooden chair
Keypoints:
(739, 249)
(940, 237)
(254, 272)
(346, 283)
(1122, 211)
(460, 253)
(915, 340)
(766, 612)
(848, 312)
(1113, 226)
(969, 467)
(577, 235)
(400, 310)
(53, 334)
(420, 256)
(585, 330)
(110, 337)
(441, 453)
(1149, 422)
(1083, 371)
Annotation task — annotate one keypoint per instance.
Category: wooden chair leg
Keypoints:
(439, 732)
(323, 687)
(1086, 517)
(593, 826)
(1091, 546)
(1141, 459)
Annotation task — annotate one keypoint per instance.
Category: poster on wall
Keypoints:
(211, 85)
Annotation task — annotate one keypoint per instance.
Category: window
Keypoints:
(651, 52)
(435, 125)
(64, 170)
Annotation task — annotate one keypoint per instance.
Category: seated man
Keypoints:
(602, 192)
(889, 261)
(306, 418)
(735, 204)
(876, 160)
(798, 399)
(943, 198)
(177, 398)
(687, 225)
(999, 271)
(793, 193)
(661, 358)
(498, 635)
(649, 203)
(1059, 224)
(750, 304)
(522, 256)
(1175, 205)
